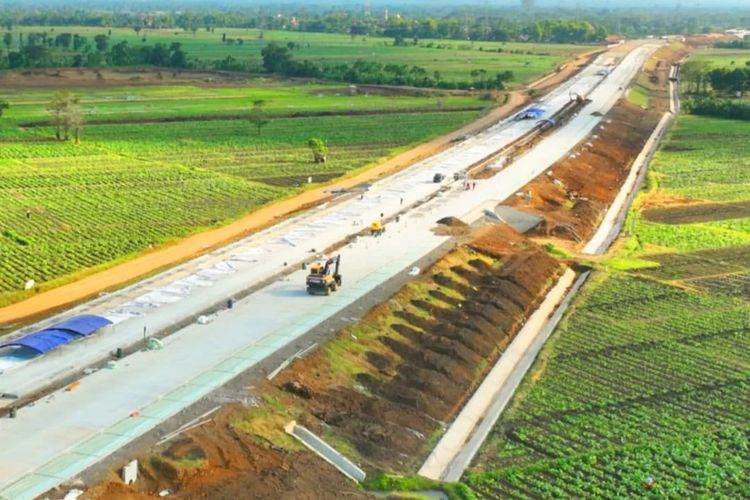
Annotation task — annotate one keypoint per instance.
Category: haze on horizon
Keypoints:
(545, 4)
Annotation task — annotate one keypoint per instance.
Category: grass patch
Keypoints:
(638, 96)
(629, 264)
(556, 251)
(397, 484)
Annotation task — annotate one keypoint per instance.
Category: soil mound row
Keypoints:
(425, 356)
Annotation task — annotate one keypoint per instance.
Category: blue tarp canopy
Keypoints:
(43, 341)
(61, 333)
(534, 113)
(86, 324)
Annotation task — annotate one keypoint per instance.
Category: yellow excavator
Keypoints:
(324, 277)
(377, 227)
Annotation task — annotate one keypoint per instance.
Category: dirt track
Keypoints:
(197, 244)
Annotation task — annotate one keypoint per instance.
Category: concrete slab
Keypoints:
(521, 221)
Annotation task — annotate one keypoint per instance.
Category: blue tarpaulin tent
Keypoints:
(530, 114)
(86, 324)
(61, 333)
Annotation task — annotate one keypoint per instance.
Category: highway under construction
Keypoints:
(142, 354)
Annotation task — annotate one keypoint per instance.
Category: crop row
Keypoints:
(667, 363)
(700, 464)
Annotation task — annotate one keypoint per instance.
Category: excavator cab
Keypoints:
(324, 277)
(377, 227)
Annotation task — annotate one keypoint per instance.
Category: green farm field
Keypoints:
(648, 375)
(454, 62)
(725, 58)
(129, 187)
(194, 101)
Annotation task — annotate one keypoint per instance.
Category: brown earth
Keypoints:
(660, 199)
(218, 461)
(416, 359)
(566, 198)
(71, 77)
(708, 40)
(703, 212)
(49, 301)
(240, 116)
(564, 71)
(378, 391)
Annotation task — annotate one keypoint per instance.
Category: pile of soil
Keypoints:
(451, 226)
(229, 464)
(452, 222)
(424, 364)
(497, 240)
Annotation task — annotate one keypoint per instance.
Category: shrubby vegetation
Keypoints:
(279, 59)
(723, 108)
(708, 84)
(42, 50)
(740, 43)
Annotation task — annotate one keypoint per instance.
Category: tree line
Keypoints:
(703, 79)
(278, 59)
(42, 50)
(433, 21)
(740, 43)
(711, 89)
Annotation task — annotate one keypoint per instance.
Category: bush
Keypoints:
(393, 482)
(14, 236)
(721, 108)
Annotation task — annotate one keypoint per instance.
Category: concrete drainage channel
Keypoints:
(325, 451)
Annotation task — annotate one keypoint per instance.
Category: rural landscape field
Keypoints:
(411, 249)
(646, 376)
